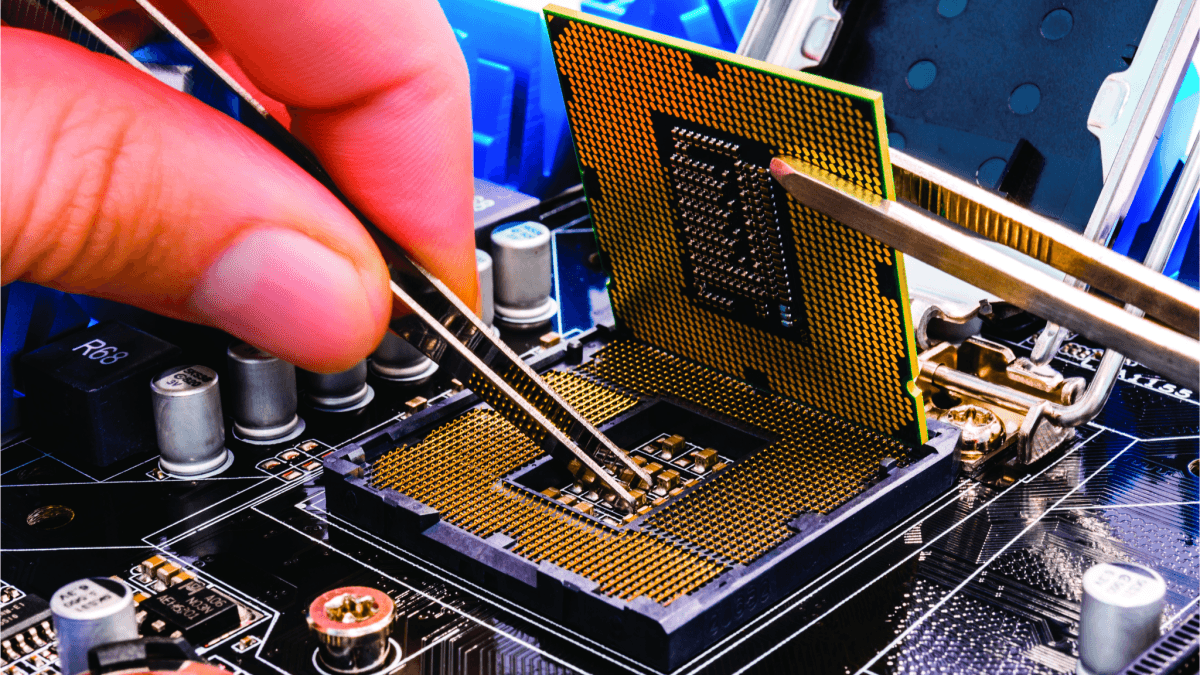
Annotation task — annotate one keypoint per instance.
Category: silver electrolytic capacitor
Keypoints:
(483, 265)
(1119, 617)
(339, 392)
(262, 395)
(88, 613)
(188, 422)
(352, 625)
(522, 269)
(396, 360)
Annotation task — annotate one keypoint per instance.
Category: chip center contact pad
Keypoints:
(730, 226)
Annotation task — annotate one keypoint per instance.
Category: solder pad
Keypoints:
(712, 260)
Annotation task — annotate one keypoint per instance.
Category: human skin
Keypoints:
(115, 185)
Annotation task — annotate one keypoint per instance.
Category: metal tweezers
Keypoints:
(425, 312)
(946, 231)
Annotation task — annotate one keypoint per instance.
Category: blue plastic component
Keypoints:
(586, 303)
(1158, 183)
(200, 83)
(737, 15)
(520, 123)
(714, 23)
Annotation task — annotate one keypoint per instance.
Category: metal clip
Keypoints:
(996, 399)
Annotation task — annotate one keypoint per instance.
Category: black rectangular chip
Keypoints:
(197, 612)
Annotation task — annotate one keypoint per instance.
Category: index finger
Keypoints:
(379, 91)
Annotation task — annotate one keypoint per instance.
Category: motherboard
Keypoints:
(812, 504)
(980, 577)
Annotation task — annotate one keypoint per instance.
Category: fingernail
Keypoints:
(290, 295)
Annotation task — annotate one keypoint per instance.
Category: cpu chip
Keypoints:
(713, 261)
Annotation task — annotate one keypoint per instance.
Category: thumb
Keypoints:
(117, 186)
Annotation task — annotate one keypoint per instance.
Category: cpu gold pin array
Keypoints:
(448, 472)
(818, 462)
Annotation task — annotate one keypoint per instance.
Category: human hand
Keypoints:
(118, 186)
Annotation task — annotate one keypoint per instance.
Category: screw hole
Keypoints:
(921, 75)
(1057, 24)
(1025, 99)
(50, 517)
(951, 8)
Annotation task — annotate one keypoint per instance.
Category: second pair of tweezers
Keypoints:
(943, 223)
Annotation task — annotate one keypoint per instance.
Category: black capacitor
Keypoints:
(338, 392)
(189, 422)
(86, 393)
(398, 361)
(574, 353)
(262, 396)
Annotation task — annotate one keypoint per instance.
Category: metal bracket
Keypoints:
(997, 400)
(791, 33)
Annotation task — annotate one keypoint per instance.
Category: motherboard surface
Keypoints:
(982, 579)
(803, 517)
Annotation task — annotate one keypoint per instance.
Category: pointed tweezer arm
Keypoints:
(995, 218)
(944, 246)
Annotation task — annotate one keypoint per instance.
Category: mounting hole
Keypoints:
(988, 174)
(1057, 24)
(50, 517)
(896, 140)
(1025, 98)
(921, 75)
(1194, 467)
(951, 8)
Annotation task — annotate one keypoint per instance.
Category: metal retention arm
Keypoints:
(947, 248)
(987, 214)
